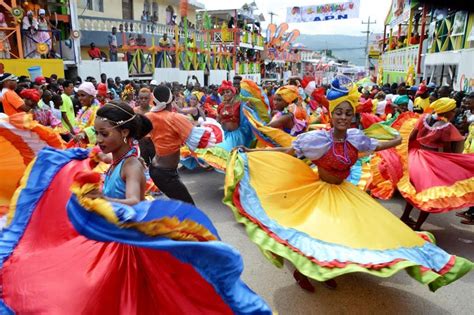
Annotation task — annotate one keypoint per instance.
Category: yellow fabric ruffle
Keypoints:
(276, 135)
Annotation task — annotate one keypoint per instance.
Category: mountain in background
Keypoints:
(351, 48)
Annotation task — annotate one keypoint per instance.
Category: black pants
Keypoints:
(168, 181)
(147, 150)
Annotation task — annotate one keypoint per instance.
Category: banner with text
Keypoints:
(324, 12)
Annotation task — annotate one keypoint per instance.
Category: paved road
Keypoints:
(356, 293)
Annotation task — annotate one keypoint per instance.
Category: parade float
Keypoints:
(450, 51)
(44, 42)
(401, 59)
(282, 58)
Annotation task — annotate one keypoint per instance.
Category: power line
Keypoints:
(271, 16)
(367, 63)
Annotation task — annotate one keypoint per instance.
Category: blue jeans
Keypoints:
(113, 56)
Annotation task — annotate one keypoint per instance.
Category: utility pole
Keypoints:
(271, 16)
(367, 61)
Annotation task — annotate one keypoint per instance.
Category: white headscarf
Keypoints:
(88, 88)
(159, 106)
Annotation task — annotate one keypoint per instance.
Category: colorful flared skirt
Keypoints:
(434, 181)
(328, 230)
(21, 138)
(64, 253)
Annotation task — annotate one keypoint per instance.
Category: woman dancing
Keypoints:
(447, 180)
(318, 221)
(288, 116)
(129, 256)
(229, 115)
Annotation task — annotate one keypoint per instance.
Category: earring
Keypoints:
(125, 140)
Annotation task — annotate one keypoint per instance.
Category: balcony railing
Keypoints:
(243, 38)
(100, 24)
(45, 44)
(400, 60)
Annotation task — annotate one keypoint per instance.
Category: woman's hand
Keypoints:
(94, 194)
(390, 143)
(79, 137)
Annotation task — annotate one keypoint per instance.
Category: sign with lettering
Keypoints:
(323, 12)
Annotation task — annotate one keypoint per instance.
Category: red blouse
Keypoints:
(229, 113)
(333, 164)
(436, 137)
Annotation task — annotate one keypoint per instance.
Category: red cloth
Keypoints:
(319, 95)
(367, 120)
(209, 110)
(31, 94)
(226, 85)
(421, 89)
(438, 168)
(229, 113)
(366, 107)
(55, 270)
(94, 53)
(102, 89)
(334, 165)
(436, 137)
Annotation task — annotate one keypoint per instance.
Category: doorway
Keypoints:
(127, 9)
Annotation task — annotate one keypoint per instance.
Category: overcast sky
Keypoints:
(376, 9)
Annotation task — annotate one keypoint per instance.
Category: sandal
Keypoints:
(468, 221)
(464, 214)
(303, 281)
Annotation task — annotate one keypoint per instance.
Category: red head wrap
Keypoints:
(102, 89)
(226, 85)
(319, 95)
(31, 94)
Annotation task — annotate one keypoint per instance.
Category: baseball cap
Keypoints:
(8, 77)
(153, 82)
(421, 89)
(40, 80)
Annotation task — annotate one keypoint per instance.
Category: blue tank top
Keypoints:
(114, 186)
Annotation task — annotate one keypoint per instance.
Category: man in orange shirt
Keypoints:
(170, 132)
(12, 103)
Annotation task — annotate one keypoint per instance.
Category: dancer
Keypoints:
(149, 258)
(170, 132)
(229, 115)
(237, 131)
(321, 223)
(468, 104)
(447, 180)
(288, 116)
(116, 125)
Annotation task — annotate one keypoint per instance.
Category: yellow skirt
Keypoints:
(327, 230)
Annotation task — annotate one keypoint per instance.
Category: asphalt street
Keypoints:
(357, 293)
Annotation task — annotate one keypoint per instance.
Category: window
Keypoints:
(93, 5)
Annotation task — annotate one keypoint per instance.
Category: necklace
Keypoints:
(122, 157)
(344, 158)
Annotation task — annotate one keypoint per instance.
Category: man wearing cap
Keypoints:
(153, 84)
(422, 101)
(12, 102)
(40, 81)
